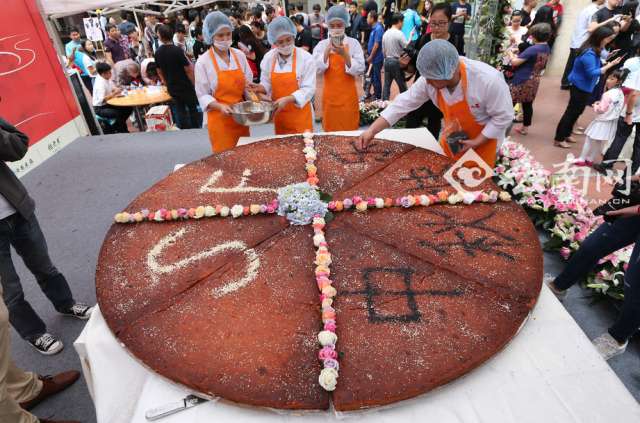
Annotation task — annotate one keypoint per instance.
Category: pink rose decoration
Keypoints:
(330, 325)
(327, 353)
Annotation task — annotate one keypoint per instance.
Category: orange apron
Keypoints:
(224, 132)
(461, 112)
(291, 119)
(340, 111)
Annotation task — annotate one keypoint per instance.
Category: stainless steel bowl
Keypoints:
(250, 113)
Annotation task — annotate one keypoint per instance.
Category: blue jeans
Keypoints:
(376, 80)
(610, 237)
(186, 115)
(27, 239)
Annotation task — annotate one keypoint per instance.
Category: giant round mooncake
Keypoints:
(229, 307)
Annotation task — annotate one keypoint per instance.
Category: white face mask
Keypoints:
(286, 50)
(336, 32)
(222, 45)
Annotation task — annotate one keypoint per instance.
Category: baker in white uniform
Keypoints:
(473, 97)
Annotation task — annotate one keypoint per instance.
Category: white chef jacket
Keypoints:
(580, 33)
(207, 78)
(487, 94)
(355, 51)
(305, 73)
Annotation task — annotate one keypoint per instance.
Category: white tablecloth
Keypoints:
(550, 372)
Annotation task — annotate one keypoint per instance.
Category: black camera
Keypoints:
(619, 200)
(453, 140)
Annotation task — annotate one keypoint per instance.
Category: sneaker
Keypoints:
(608, 347)
(79, 310)
(47, 344)
(548, 280)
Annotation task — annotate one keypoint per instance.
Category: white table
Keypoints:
(550, 372)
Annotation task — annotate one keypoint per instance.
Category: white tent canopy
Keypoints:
(60, 8)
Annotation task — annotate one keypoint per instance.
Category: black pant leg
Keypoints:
(629, 319)
(120, 114)
(578, 100)
(183, 114)
(622, 133)
(527, 113)
(568, 67)
(609, 237)
(415, 118)
(635, 155)
(399, 77)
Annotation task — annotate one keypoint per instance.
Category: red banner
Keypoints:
(34, 93)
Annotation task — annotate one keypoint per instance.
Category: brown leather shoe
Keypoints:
(58, 421)
(51, 385)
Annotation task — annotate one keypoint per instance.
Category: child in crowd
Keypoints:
(103, 90)
(602, 129)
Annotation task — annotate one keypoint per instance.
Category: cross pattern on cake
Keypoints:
(229, 307)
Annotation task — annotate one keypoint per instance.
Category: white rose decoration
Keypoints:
(224, 212)
(237, 210)
(326, 337)
(468, 198)
(328, 379)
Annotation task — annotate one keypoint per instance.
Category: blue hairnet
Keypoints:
(438, 60)
(278, 27)
(213, 23)
(338, 12)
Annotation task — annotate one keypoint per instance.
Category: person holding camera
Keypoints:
(621, 228)
(341, 60)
